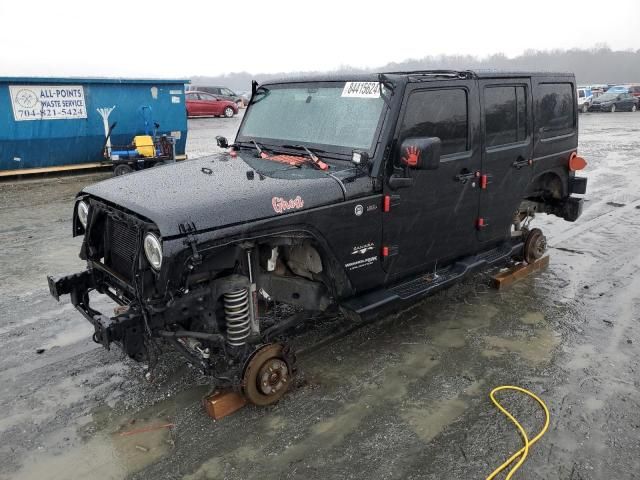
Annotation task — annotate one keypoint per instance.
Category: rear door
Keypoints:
(506, 154)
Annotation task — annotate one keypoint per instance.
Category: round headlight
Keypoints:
(153, 250)
(83, 213)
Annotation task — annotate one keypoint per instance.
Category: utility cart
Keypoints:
(144, 151)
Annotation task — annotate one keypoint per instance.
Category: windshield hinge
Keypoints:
(382, 78)
(189, 229)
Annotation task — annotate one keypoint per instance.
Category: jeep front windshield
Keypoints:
(314, 115)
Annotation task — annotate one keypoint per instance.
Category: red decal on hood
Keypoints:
(280, 204)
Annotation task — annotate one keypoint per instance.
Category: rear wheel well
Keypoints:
(548, 186)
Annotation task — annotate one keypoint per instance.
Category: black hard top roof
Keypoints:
(415, 74)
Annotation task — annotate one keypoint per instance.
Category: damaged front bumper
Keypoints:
(124, 328)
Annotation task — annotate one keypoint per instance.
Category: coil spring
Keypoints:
(236, 311)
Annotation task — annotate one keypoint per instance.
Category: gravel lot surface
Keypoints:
(403, 398)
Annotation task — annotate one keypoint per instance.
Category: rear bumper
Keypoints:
(571, 209)
(578, 185)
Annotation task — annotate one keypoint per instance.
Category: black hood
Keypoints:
(214, 192)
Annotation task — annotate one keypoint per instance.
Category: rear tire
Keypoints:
(122, 169)
(228, 112)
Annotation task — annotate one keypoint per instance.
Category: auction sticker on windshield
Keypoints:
(361, 89)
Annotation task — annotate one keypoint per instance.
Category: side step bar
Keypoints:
(429, 283)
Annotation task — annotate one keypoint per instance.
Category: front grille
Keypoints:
(122, 243)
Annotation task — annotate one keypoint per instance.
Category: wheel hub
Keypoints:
(266, 375)
(534, 246)
(273, 376)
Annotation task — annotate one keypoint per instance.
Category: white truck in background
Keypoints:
(585, 98)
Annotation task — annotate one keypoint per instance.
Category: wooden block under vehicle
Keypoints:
(504, 279)
(220, 404)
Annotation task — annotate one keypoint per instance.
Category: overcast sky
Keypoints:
(179, 38)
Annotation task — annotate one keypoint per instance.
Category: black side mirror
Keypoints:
(222, 141)
(421, 153)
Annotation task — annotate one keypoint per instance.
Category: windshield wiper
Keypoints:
(302, 147)
(315, 161)
(258, 148)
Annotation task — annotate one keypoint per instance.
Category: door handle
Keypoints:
(464, 176)
(521, 162)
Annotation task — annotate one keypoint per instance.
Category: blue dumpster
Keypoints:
(49, 122)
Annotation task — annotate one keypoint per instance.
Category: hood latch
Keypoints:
(189, 229)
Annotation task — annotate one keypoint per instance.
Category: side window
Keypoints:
(505, 115)
(555, 114)
(438, 113)
(581, 93)
(192, 96)
(226, 91)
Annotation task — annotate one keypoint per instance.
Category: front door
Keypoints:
(210, 104)
(629, 101)
(506, 155)
(432, 222)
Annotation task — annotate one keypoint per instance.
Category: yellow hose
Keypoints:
(524, 451)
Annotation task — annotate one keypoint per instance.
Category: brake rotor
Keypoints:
(266, 375)
(534, 246)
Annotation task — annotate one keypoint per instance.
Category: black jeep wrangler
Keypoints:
(358, 193)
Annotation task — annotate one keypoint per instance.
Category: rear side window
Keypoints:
(555, 114)
(438, 113)
(505, 114)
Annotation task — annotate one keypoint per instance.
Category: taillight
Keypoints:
(576, 163)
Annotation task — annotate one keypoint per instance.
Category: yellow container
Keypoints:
(144, 145)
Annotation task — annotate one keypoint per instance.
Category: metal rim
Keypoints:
(266, 376)
(613, 108)
(534, 246)
(633, 108)
(228, 112)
